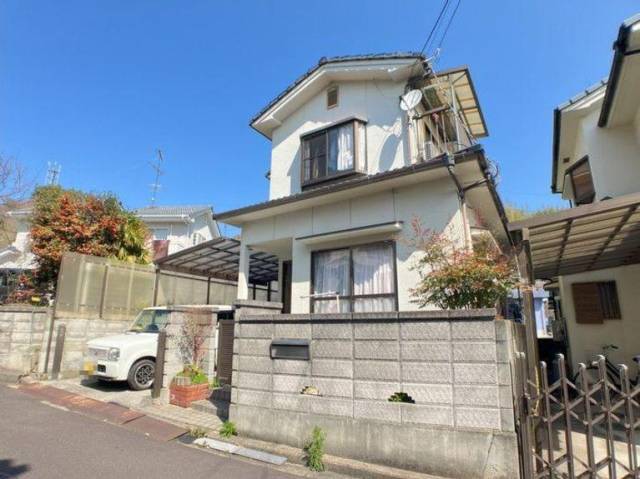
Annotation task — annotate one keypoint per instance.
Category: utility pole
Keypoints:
(53, 173)
(155, 186)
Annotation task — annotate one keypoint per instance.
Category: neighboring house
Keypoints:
(591, 251)
(17, 257)
(174, 228)
(351, 168)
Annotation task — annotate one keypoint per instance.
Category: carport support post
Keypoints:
(208, 289)
(156, 283)
(243, 272)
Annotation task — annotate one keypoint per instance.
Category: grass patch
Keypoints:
(228, 429)
(314, 449)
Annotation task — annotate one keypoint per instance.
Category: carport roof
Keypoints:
(585, 238)
(220, 258)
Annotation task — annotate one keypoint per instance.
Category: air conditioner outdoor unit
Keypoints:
(429, 150)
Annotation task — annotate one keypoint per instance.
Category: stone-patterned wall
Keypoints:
(456, 369)
(21, 336)
(455, 365)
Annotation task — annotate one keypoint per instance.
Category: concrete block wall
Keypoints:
(174, 360)
(454, 365)
(22, 331)
(78, 332)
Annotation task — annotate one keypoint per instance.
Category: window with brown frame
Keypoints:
(582, 182)
(332, 97)
(355, 279)
(333, 152)
(595, 302)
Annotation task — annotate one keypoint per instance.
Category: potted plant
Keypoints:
(191, 384)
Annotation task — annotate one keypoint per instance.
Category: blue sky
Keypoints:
(99, 86)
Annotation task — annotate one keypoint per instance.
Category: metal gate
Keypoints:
(587, 426)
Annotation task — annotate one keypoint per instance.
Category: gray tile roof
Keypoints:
(337, 59)
(171, 210)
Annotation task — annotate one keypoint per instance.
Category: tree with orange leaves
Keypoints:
(73, 221)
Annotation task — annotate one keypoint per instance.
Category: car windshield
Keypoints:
(150, 321)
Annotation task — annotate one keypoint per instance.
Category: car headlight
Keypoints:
(114, 354)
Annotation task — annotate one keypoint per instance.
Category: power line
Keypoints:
(435, 25)
(446, 30)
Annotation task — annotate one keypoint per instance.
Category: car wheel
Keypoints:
(141, 374)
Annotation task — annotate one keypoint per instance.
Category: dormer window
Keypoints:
(332, 97)
(333, 152)
(582, 182)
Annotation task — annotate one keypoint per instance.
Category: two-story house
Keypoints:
(362, 145)
(590, 252)
(174, 228)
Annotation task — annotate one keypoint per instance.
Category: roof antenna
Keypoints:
(53, 173)
(155, 186)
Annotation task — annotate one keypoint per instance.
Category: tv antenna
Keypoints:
(53, 173)
(155, 186)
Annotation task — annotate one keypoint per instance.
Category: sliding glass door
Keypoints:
(357, 279)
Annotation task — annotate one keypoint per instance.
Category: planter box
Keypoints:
(183, 396)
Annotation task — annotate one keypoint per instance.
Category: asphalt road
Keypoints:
(40, 441)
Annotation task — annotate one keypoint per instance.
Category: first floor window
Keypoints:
(595, 302)
(358, 279)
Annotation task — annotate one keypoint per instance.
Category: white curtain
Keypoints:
(345, 147)
(373, 274)
(331, 275)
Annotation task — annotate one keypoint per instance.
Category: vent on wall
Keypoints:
(290, 349)
(332, 97)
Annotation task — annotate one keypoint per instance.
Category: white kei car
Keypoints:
(130, 356)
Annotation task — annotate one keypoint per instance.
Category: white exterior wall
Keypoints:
(614, 155)
(374, 101)
(435, 203)
(586, 340)
(181, 232)
(23, 235)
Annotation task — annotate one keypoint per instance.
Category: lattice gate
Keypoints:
(587, 426)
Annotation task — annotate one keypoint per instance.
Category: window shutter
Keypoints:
(586, 300)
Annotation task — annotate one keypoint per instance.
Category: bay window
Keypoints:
(358, 279)
(332, 152)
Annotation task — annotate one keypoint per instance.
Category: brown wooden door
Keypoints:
(225, 351)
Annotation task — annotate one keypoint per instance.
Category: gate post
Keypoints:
(57, 353)
(159, 371)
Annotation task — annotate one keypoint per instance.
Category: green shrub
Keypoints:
(215, 383)
(199, 378)
(314, 449)
(194, 373)
(401, 397)
(228, 429)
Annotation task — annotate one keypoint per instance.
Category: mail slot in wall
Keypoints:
(290, 349)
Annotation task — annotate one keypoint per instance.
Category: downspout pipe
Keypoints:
(451, 168)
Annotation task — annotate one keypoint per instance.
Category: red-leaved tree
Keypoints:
(73, 221)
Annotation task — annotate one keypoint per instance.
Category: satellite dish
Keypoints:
(410, 100)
